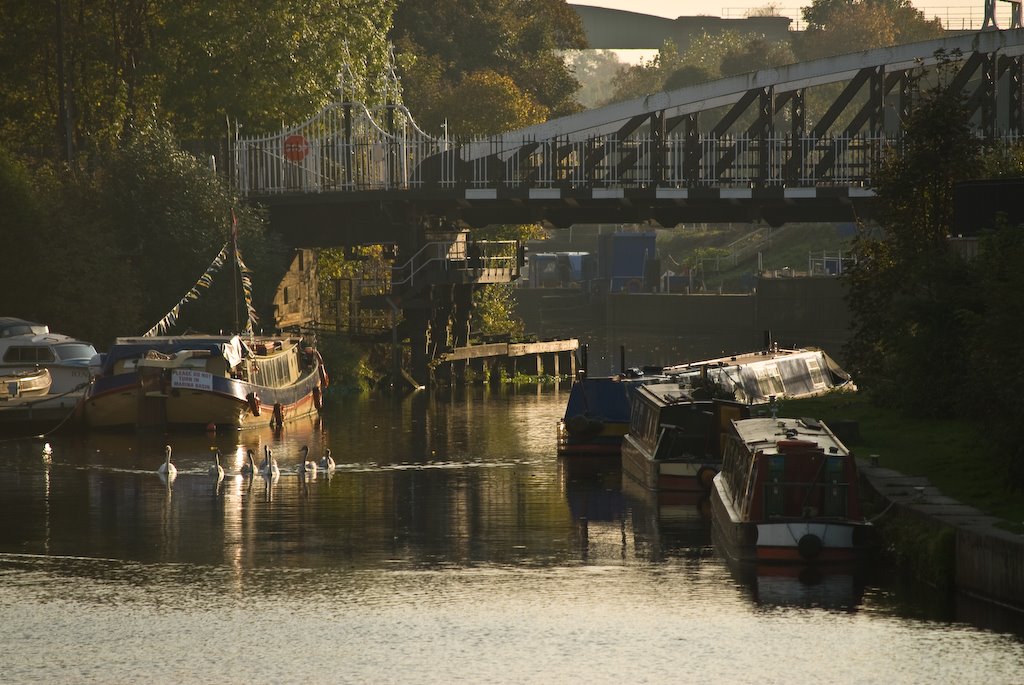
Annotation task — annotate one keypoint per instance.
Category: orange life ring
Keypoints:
(254, 403)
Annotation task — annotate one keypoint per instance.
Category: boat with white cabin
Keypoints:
(43, 375)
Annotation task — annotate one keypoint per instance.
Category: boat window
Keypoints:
(28, 355)
(68, 351)
(816, 376)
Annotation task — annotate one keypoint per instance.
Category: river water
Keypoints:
(450, 545)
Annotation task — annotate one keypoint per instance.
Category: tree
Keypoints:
(836, 27)
(595, 70)
(757, 54)
(441, 43)
(910, 296)
(192, 64)
(486, 103)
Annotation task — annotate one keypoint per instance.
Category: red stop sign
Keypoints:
(296, 147)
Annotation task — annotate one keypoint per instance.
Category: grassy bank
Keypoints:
(951, 454)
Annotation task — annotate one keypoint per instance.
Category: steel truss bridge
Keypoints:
(790, 143)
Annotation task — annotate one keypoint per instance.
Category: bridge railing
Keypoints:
(329, 161)
(484, 256)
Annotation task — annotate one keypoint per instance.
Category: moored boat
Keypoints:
(758, 377)
(43, 375)
(787, 494)
(597, 414)
(203, 381)
(673, 441)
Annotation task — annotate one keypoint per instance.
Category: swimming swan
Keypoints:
(249, 467)
(306, 467)
(167, 468)
(327, 461)
(217, 471)
(268, 469)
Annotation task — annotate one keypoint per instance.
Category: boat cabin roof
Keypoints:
(764, 434)
(667, 393)
(739, 359)
(11, 326)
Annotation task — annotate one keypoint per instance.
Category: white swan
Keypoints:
(306, 466)
(167, 468)
(217, 471)
(268, 469)
(327, 461)
(249, 467)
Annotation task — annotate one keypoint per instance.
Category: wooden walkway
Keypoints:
(550, 357)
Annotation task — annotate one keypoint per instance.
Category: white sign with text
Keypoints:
(192, 379)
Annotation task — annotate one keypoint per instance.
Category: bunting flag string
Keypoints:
(251, 318)
(204, 282)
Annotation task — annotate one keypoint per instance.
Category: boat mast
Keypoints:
(237, 270)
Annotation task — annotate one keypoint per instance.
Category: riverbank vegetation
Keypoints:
(951, 453)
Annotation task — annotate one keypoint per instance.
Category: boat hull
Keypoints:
(204, 381)
(602, 438)
(127, 401)
(674, 475)
(817, 541)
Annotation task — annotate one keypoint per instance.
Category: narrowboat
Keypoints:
(787, 494)
(597, 414)
(204, 381)
(44, 375)
(672, 445)
(758, 377)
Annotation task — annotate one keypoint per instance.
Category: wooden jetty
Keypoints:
(549, 357)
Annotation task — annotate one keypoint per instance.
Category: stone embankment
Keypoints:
(950, 544)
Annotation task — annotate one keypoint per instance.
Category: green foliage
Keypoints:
(910, 296)
(836, 27)
(757, 54)
(595, 70)
(486, 103)
(351, 365)
(121, 245)
(708, 56)
(494, 311)
(192, 64)
(956, 455)
(997, 332)
(441, 43)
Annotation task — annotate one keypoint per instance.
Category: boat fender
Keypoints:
(278, 419)
(705, 475)
(318, 398)
(254, 403)
(809, 546)
(583, 427)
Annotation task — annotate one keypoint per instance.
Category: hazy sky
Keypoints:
(954, 13)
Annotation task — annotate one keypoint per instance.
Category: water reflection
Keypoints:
(443, 510)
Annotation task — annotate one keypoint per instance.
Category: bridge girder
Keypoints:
(738, 149)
